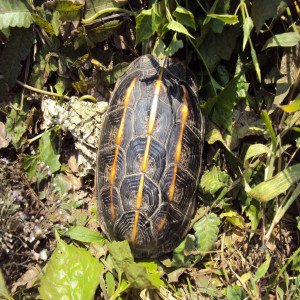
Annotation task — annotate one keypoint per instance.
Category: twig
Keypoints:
(41, 91)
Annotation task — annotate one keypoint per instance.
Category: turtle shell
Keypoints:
(149, 156)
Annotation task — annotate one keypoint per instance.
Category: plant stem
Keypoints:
(41, 91)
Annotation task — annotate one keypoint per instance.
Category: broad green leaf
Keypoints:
(15, 13)
(264, 10)
(233, 217)
(48, 153)
(182, 253)
(43, 24)
(16, 50)
(30, 165)
(56, 22)
(262, 270)
(143, 26)
(184, 16)
(256, 150)
(292, 107)
(206, 232)
(141, 277)
(15, 127)
(288, 39)
(210, 48)
(110, 283)
(174, 46)
(247, 27)
(235, 293)
(228, 19)
(71, 273)
(68, 9)
(159, 49)
(3, 289)
(208, 288)
(222, 105)
(84, 234)
(112, 76)
(214, 180)
(120, 254)
(176, 26)
(277, 185)
(254, 213)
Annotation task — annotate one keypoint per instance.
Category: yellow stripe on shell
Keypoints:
(184, 111)
(120, 134)
(151, 123)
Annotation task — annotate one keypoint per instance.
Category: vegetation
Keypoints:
(244, 238)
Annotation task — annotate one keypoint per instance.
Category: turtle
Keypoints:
(150, 156)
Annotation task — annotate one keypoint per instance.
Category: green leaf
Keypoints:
(256, 150)
(296, 263)
(68, 9)
(233, 217)
(48, 153)
(206, 232)
(184, 16)
(235, 293)
(210, 48)
(159, 49)
(214, 180)
(176, 26)
(15, 13)
(138, 277)
(262, 270)
(84, 234)
(255, 61)
(288, 39)
(56, 22)
(3, 289)
(15, 127)
(120, 254)
(264, 10)
(228, 19)
(43, 24)
(269, 126)
(110, 283)
(174, 46)
(112, 76)
(247, 28)
(182, 253)
(30, 165)
(146, 24)
(254, 213)
(222, 105)
(71, 273)
(293, 106)
(16, 50)
(277, 185)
